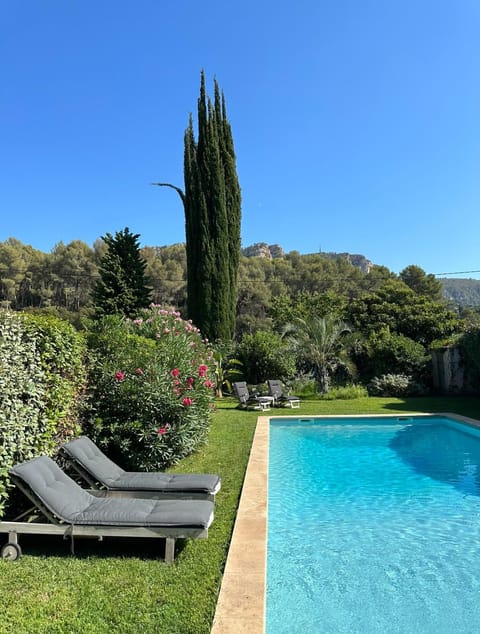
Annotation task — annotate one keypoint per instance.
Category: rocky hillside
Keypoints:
(272, 251)
(464, 292)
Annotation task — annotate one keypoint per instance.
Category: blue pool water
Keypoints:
(373, 527)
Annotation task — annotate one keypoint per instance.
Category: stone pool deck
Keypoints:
(241, 604)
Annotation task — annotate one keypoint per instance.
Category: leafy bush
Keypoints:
(63, 353)
(42, 379)
(345, 393)
(227, 369)
(390, 353)
(151, 388)
(264, 355)
(394, 385)
(23, 420)
(304, 384)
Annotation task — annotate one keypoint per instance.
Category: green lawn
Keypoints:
(118, 586)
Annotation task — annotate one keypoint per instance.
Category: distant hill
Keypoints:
(464, 292)
(274, 251)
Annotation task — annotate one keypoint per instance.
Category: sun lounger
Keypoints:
(247, 401)
(282, 400)
(97, 469)
(74, 512)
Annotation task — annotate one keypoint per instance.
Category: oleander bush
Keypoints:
(151, 388)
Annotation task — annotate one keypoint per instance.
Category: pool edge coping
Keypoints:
(241, 603)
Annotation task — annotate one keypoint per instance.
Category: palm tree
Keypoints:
(316, 341)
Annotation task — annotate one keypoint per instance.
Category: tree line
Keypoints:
(64, 279)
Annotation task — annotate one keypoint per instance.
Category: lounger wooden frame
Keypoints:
(67, 530)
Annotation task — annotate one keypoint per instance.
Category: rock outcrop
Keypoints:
(263, 250)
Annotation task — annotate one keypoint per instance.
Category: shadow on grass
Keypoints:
(468, 406)
(86, 548)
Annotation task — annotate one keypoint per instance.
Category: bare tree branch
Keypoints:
(177, 189)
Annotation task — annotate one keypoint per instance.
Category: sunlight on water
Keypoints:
(374, 527)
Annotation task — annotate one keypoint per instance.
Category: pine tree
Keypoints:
(122, 287)
(212, 204)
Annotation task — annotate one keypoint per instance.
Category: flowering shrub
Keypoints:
(390, 385)
(151, 389)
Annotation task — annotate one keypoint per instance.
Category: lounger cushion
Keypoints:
(275, 389)
(89, 456)
(178, 482)
(72, 504)
(95, 462)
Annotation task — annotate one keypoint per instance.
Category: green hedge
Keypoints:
(42, 378)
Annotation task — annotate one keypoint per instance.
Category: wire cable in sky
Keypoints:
(456, 273)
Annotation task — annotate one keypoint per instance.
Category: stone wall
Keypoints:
(448, 375)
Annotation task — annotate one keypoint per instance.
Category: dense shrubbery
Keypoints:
(151, 388)
(23, 420)
(63, 354)
(264, 355)
(41, 378)
(389, 353)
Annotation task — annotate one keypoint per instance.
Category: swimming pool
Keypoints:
(373, 526)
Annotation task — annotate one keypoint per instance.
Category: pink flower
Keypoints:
(175, 372)
(187, 401)
(166, 330)
(190, 380)
(119, 376)
(163, 430)
(139, 371)
(202, 370)
(208, 384)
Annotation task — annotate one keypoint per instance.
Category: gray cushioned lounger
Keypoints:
(66, 503)
(96, 467)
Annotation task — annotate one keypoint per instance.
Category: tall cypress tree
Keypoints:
(212, 204)
(122, 287)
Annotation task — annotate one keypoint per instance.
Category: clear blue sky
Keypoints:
(356, 124)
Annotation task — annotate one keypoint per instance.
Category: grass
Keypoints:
(121, 586)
